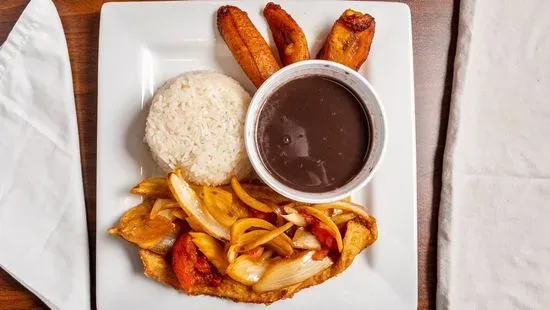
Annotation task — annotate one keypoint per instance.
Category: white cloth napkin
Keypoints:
(43, 236)
(494, 224)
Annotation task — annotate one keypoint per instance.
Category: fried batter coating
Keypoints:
(358, 236)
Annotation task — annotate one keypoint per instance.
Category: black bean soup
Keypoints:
(313, 134)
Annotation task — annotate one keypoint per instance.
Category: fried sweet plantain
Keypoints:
(349, 40)
(290, 39)
(357, 237)
(246, 44)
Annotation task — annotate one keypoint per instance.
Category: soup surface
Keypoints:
(313, 134)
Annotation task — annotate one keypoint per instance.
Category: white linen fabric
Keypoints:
(494, 221)
(43, 235)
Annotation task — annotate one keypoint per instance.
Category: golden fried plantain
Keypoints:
(290, 39)
(349, 40)
(246, 44)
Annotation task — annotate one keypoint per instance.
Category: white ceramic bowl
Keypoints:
(355, 82)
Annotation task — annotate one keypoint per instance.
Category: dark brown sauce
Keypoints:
(313, 134)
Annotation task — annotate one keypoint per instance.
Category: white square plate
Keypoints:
(143, 44)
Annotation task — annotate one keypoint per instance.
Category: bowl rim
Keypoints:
(251, 142)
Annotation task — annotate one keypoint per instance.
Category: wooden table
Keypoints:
(434, 39)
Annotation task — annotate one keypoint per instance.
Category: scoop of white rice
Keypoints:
(196, 122)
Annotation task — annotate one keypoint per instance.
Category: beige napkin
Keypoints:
(43, 236)
(494, 222)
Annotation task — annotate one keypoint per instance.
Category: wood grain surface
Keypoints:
(434, 40)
